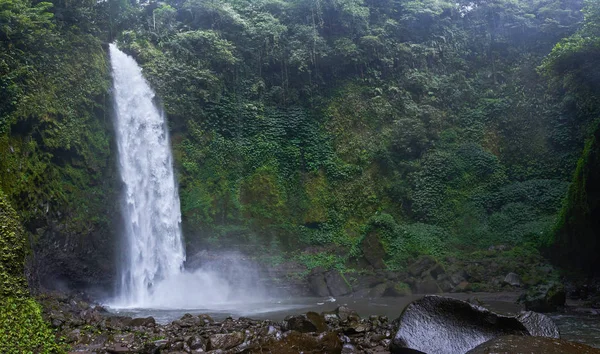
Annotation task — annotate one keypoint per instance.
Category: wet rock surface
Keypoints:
(91, 329)
(545, 298)
(532, 345)
(339, 331)
(436, 324)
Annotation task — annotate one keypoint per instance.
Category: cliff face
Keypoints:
(577, 242)
(21, 325)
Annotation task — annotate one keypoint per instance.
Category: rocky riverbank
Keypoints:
(87, 328)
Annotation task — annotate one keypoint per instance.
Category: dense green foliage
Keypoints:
(55, 161)
(302, 126)
(22, 329)
(574, 64)
(304, 123)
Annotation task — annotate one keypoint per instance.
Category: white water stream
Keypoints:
(154, 248)
(151, 271)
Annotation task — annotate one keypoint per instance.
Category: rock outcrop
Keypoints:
(436, 324)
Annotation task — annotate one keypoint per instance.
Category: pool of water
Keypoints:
(574, 326)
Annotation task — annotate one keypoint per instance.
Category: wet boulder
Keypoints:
(436, 324)
(188, 320)
(421, 265)
(337, 284)
(344, 312)
(373, 251)
(226, 341)
(317, 284)
(545, 298)
(538, 325)
(143, 322)
(305, 323)
(512, 279)
(534, 345)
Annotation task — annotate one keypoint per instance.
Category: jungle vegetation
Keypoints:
(299, 127)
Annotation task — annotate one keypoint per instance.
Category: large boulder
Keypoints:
(512, 279)
(545, 298)
(421, 265)
(337, 284)
(428, 277)
(317, 284)
(538, 325)
(226, 341)
(306, 323)
(436, 324)
(534, 345)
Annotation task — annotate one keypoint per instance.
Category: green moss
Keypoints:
(22, 329)
(263, 198)
(574, 241)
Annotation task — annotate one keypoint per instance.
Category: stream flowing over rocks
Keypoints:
(432, 324)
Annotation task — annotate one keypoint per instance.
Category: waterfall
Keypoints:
(153, 248)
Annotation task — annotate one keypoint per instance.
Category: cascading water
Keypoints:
(154, 248)
(151, 271)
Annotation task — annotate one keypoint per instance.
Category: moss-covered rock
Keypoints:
(576, 243)
(22, 328)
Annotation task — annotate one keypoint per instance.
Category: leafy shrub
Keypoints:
(22, 328)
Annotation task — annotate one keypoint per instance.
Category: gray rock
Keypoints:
(397, 290)
(436, 271)
(344, 312)
(377, 291)
(196, 342)
(317, 285)
(421, 265)
(124, 338)
(161, 344)
(337, 284)
(206, 319)
(458, 278)
(188, 320)
(305, 323)
(427, 285)
(226, 340)
(143, 322)
(73, 336)
(512, 279)
(436, 324)
(372, 250)
(544, 298)
(538, 324)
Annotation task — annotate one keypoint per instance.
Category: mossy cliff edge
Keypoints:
(22, 329)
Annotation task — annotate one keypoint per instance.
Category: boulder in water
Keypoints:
(436, 324)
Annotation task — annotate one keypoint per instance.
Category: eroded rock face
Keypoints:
(534, 345)
(436, 324)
